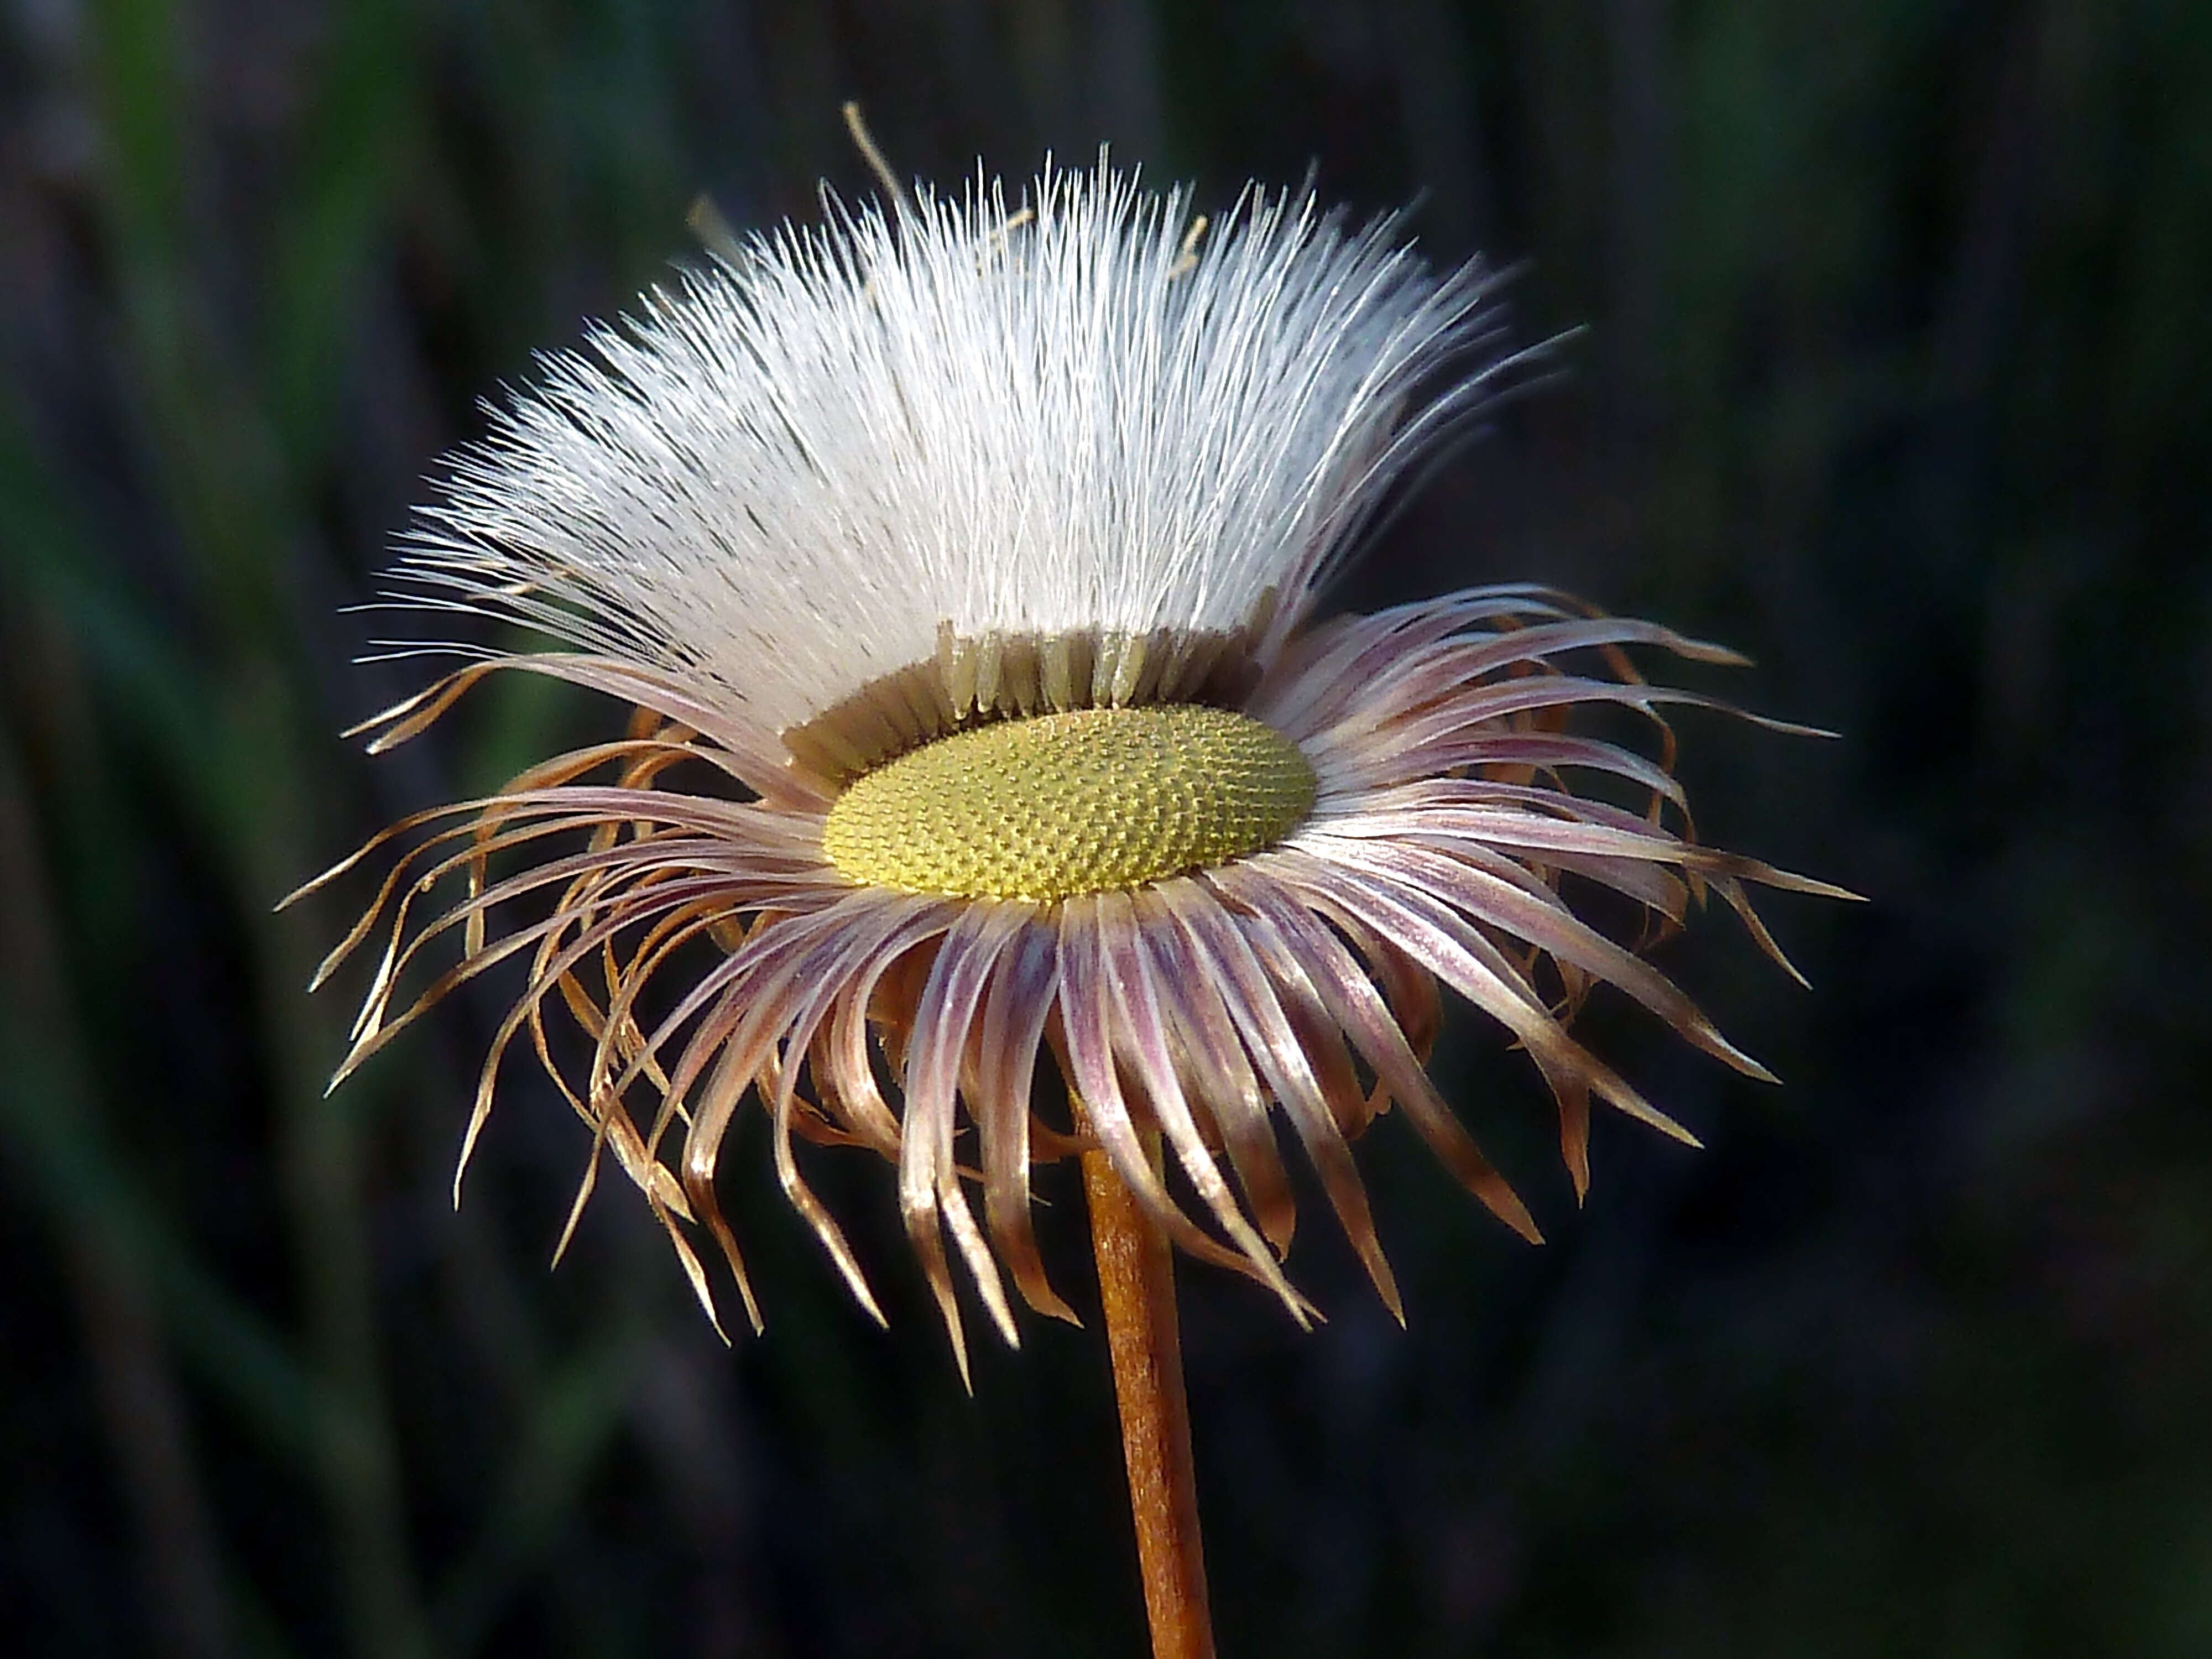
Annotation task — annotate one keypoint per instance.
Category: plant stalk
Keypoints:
(1136, 1283)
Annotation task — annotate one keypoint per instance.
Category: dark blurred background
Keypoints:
(1895, 374)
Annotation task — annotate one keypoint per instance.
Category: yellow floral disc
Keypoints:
(1083, 802)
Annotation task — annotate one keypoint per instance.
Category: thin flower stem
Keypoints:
(1136, 1282)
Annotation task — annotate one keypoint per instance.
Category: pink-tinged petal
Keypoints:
(1667, 896)
(1405, 983)
(1731, 891)
(1087, 994)
(868, 940)
(1421, 734)
(852, 1096)
(1145, 1046)
(743, 1036)
(1403, 808)
(1570, 1087)
(1471, 657)
(1454, 950)
(766, 948)
(1352, 772)
(786, 964)
(1545, 822)
(1410, 997)
(729, 1004)
(738, 1037)
(852, 1061)
(1021, 999)
(1255, 995)
(1448, 670)
(929, 1177)
(1481, 887)
(1220, 1073)
(1416, 1003)
(1322, 675)
(1338, 663)
(1352, 1002)
(1387, 817)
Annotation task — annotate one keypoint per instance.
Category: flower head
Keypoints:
(961, 563)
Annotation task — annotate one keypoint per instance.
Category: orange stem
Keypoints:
(1136, 1282)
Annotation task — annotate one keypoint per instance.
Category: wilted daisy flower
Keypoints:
(960, 559)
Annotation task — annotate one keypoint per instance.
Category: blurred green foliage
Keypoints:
(1897, 375)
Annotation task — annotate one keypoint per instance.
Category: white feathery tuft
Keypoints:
(781, 477)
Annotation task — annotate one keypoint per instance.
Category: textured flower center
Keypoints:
(1081, 802)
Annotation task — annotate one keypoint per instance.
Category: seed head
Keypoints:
(960, 560)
